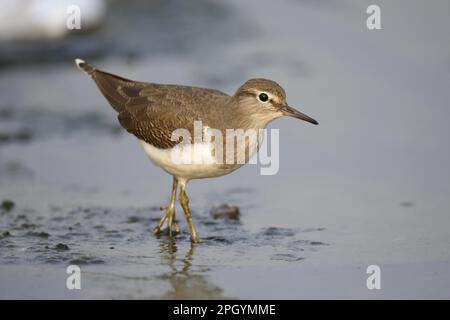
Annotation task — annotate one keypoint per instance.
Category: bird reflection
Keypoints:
(185, 283)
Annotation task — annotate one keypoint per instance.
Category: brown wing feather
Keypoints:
(164, 109)
(153, 111)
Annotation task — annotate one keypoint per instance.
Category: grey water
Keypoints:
(368, 186)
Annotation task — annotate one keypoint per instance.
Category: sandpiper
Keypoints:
(153, 112)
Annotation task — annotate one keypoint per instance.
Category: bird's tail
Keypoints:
(83, 66)
(111, 86)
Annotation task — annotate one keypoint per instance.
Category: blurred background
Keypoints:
(369, 185)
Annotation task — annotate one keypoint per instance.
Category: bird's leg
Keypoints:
(171, 222)
(169, 212)
(184, 201)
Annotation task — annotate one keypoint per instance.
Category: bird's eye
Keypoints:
(263, 97)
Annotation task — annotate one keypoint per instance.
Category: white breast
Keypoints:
(192, 161)
(186, 162)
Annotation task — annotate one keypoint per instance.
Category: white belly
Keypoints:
(194, 161)
(187, 162)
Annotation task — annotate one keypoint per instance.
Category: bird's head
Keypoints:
(266, 100)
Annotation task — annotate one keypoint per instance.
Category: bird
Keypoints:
(153, 112)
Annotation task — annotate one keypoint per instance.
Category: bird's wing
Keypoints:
(153, 111)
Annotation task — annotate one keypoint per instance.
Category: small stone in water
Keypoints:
(7, 205)
(225, 211)
(62, 247)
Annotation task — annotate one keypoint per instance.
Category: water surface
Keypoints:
(369, 185)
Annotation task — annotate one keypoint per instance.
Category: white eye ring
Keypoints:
(263, 97)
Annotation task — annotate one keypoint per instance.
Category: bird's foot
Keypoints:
(195, 239)
(169, 220)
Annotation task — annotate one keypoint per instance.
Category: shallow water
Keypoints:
(119, 242)
(369, 185)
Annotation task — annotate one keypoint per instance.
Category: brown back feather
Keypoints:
(153, 111)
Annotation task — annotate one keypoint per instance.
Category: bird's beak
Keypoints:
(291, 112)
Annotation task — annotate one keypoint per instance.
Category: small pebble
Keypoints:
(225, 211)
(62, 247)
(7, 205)
(5, 234)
